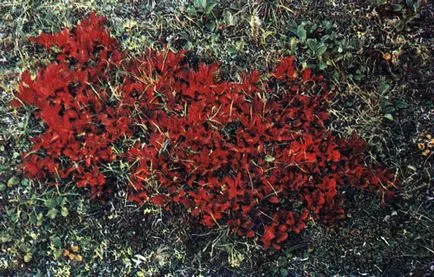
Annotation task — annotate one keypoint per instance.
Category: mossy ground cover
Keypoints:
(376, 57)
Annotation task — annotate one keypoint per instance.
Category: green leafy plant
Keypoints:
(388, 106)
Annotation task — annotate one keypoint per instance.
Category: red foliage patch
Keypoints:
(243, 154)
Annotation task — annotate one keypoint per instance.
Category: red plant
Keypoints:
(238, 153)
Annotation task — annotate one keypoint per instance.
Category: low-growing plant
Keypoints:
(255, 155)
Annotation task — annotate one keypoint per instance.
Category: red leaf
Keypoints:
(273, 200)
(16, 103)
(307, 74)
(159, 200)
(268, 233)
(282, 237)
(250, 234)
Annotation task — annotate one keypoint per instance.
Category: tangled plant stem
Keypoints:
(245, 154)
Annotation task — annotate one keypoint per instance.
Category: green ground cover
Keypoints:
(377, 59)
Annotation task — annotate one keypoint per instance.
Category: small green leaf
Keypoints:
(52, 213)
(27, 257)
(388, 108)
(411, 167)
(191, 11)
(56, 242)
(25, 182)
(327, 24)
(239, 45)
(188, 45)
(409, 2)
(293, 44)
(211, 25)
(33, 235)
(2, 187)
(4, 237)
(284, 272)
(388, 116)
(312, 44)
(384, 87)
(230, 19)
(396, 7)
(64, 211)
(401, 104)
(57, 253)
(301, 33)
(209, 8)
(50, 203)
(321, 49)
(39, 219)
(269, 158)
(13, 181)
(322, 65)
(417, 5)
(265, 35)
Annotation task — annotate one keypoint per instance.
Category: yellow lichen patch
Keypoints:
(387, 56)
(425, 143)
(71, 254)
(74, 248)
